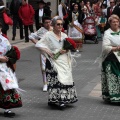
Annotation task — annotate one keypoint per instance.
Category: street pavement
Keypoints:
(86, 74)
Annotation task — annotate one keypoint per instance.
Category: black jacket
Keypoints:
(45, 13)
(14, 8)
(116, 11)
(47, 8)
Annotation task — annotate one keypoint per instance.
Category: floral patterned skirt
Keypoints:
(111, 81)
(59, 93)
(9, 99)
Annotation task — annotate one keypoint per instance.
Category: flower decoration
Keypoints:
(7, 81)
(16, 96)
(13, 54)
(17, 52)
(8, 98)
(68, 44)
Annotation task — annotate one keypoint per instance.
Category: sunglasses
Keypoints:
(111, 2)
(58, 24)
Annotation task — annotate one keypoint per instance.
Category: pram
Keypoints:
(90, 32)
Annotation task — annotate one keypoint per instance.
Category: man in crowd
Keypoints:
(34, 37)
(26, 14)
(14, 7)
(62, 12)
(113, 9)
(40, 13)
(118, 7)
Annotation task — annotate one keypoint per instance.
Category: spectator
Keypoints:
(83, 6)
(104, 9)
(107, 2)
(76, 17)
(102, 22)
(86, 13)
(26, 14)
(62, 12)
(48, 9)
(117, 8)
(14, 7)
(40, 13)
(89, 8)
(5, 27)
(113, 9)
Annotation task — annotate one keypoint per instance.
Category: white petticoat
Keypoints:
(8, 79)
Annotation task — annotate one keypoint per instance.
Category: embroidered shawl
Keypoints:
(50, 44)
(8, 79)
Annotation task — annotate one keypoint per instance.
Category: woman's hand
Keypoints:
(4, 59)
(63, 51)
(116, 48)
(50, 54)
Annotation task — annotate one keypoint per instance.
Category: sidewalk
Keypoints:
(18, 42)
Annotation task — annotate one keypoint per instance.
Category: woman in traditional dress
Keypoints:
(76, 17)
(89, 8)
(61, 87)
(111, 61)
(9, 96)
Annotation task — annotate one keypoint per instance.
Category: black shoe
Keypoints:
(51, 104)
(22, 37)
(26, 41)
(13, 38)
(18, 27)
(9, 114)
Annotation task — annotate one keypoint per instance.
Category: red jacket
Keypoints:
(26, 14)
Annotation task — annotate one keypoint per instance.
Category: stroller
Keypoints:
(90, 32)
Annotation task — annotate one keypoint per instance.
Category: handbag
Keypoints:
(7, 19)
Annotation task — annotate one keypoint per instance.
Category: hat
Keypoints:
(41, 1)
